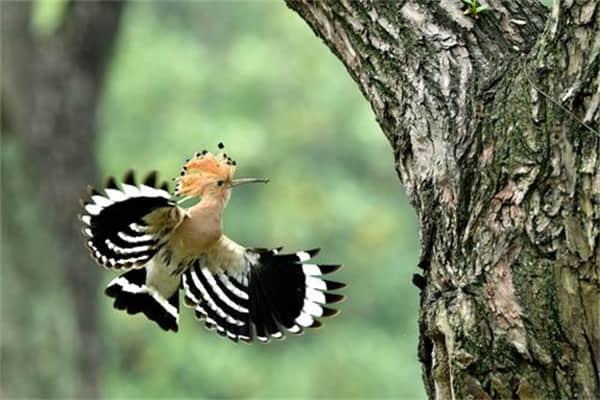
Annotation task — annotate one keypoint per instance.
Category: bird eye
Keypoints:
(219, 183)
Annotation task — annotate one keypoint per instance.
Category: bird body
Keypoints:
(243, 293)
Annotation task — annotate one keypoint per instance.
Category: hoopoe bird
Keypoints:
(241, 292)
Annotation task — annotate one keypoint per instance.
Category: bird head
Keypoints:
(207, 174)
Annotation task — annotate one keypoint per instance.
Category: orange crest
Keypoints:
(203, 169)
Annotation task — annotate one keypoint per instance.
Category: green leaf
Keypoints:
(483, 7)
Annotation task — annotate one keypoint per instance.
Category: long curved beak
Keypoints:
(242, 181)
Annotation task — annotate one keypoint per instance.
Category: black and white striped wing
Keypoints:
(219, 300)
(271, 296)
(125, 227)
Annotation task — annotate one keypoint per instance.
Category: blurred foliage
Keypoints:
(47, 15)
(38, 330)
(187, 75)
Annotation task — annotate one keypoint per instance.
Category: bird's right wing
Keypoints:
(258, 293)
(125, 227)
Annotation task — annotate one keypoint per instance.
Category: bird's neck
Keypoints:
(209, 208)
(203, 228)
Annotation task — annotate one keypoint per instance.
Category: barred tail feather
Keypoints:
(132, 295)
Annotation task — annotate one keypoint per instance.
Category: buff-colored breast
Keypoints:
(198, 232)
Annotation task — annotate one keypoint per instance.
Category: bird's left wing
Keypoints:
(247, 293)
(126, 226)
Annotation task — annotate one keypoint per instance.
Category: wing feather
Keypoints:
(248, 294)
(126, 226)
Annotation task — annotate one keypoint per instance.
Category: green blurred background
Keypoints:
(184, 76)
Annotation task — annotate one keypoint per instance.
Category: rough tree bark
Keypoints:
(51, 87)
(506, 183)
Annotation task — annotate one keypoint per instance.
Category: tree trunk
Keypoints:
(505, 181)
(51, 87)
